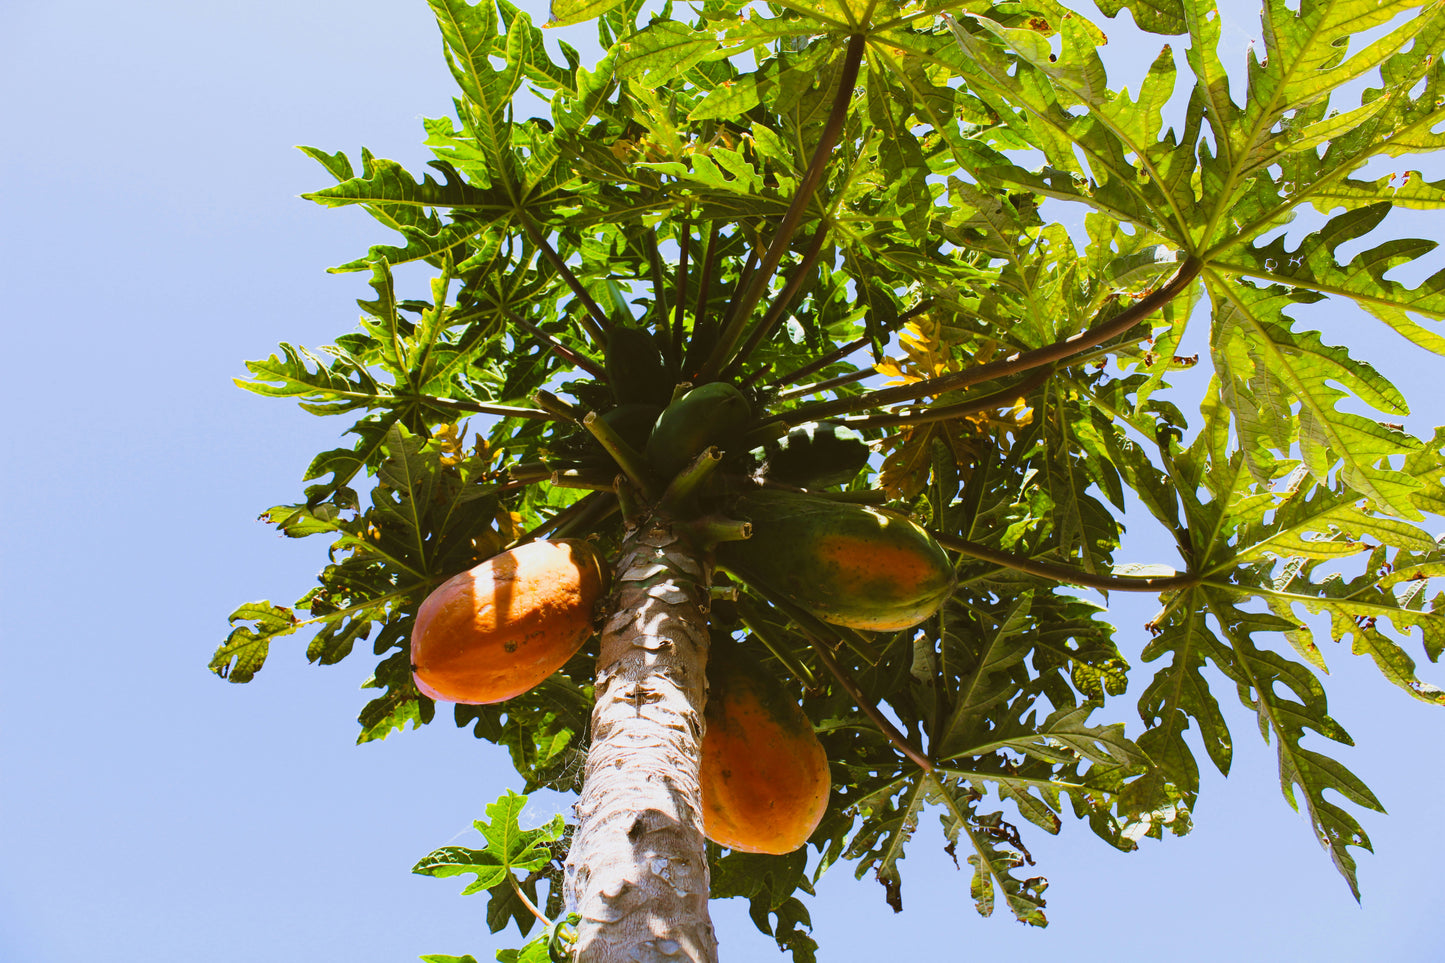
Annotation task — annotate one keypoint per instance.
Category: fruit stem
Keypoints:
(687, 481)
(625, 455)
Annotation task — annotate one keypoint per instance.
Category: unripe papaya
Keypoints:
(764, 775)
(635, 369)
(712, 414)
(849, 565)
(498, 630)
(815, 455)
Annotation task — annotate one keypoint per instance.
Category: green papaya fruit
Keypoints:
(710, 414)
(846, 564)
(635, 369)
(815, 455)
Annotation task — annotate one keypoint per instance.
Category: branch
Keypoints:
(1059, 351)
(758, 281)
(1065, 573)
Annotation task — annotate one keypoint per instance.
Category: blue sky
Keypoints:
(148, 811)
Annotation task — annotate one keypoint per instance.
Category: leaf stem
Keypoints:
(837, 354)
(709, 268)
(1064, 573)
(684, 242)
(626, 457)
(784, 300)
(757, 282)
(999, 399)
(871, 710)
(504, 411)
(557, 347)
(531, 907)
(600, 324)
(1058, 352)
(838, 382)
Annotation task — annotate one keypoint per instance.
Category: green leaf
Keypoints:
(997, 853)
(510, 850)
(661, 51)
(245, 649)
(567, 12)
(1266, 681)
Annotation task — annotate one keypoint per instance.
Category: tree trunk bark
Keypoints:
(637, 872)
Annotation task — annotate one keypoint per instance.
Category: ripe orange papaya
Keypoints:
(764, 775)
(847, 564)
(494, 632)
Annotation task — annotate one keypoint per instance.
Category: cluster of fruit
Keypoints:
(500, 629)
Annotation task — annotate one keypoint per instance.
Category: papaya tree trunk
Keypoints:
(637, 871)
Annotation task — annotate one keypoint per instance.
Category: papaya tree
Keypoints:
(845, 332)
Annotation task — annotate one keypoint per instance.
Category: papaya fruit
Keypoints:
(499, 629)
(635, 369)
(815, 455)
(712, 414)
(846, 564)
(764, 775)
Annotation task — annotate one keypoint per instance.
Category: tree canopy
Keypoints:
(868, 213)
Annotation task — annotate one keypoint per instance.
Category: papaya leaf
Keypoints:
(888, 825)
(1264, 678)
(510, 850)
(245, 649)
(997, 853)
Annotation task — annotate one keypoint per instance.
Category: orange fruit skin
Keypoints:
(764, 775)
(498, 630)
